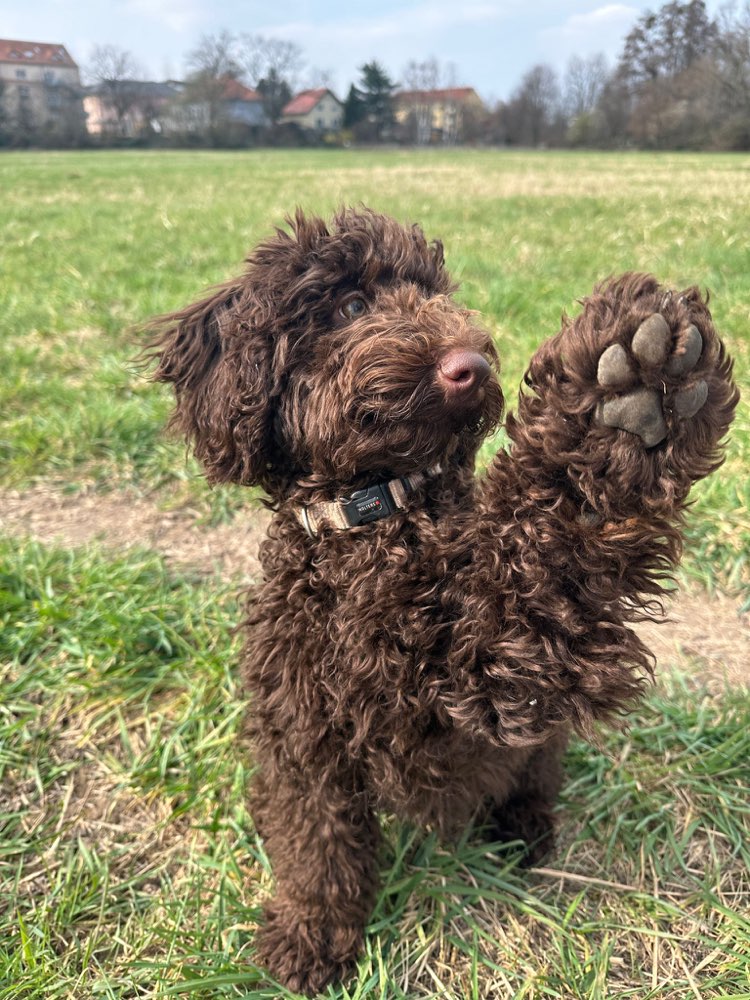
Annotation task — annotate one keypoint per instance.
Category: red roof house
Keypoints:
(319, 110)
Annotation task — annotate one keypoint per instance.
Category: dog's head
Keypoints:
(338, 355)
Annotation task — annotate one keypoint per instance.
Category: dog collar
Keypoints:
(371, 503)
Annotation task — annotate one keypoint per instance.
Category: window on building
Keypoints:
(20, 74)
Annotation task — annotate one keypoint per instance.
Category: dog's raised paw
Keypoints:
(656, 359)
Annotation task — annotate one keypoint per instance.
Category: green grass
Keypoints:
(96, 243)
(130, 866)
(128, 863)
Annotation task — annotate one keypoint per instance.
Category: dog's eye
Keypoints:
(353, 308)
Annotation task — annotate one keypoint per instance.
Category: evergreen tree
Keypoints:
(376, 92)
(354, 108)
(276, 93)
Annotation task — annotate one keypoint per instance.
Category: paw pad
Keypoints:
(681, 364)
(689, 401)
(640, 411)
(651, 341)
(615, 370)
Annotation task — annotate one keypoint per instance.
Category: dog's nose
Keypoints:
(461, 372)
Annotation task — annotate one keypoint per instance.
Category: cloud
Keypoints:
(422, 18)
(600, 30)
(181, 16)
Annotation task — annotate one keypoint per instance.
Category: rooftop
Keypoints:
(36, 53)
(447, 94)
(236, 91)
(305, 101)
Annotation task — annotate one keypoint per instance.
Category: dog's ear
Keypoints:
(217, 354)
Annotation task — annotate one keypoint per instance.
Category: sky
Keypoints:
(485, 44)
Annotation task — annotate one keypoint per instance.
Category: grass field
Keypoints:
(128, 863)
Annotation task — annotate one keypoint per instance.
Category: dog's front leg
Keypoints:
(321, 838)
(582, 520)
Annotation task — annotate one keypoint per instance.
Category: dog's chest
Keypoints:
(366, 627)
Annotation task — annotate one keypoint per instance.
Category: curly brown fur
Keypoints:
(433, 660)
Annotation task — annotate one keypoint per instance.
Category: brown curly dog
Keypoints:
(423, 640)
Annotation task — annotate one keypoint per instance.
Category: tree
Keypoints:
(731, 72)
(425, 75)
(354, 108)
(420, 78)
(25, 126)
(273, 66)
(533, 113)
(664, 44)
(583, 89)
(276, 93)
(65, 120)
(609, 121)
(376, 93)
(212, 64)
(114, 71)
(662, 68)
(583, 85)
(318, 77)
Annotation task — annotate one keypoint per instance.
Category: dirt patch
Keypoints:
(711, 635)
(122, 520)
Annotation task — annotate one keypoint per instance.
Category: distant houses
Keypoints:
(42, 102)
(225, 111)
(446, 115)
(318, 111)
(129, 109)
(40, 93)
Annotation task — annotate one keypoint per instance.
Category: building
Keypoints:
(41, 93)
(437, 116)
(315, 110)
(128, 108)
(242, 105)
(224, 109)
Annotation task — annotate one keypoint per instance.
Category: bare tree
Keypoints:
(583, 84)
(731, 70)
(610, 120)
(419, 79)
(260, 55)
(273, 66)
(425, 75)
(583, 88)
(113, 72)
(318, 77)
(216, 57)
(211, 66)
(533, 113)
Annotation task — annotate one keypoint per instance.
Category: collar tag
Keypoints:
(370, 504)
